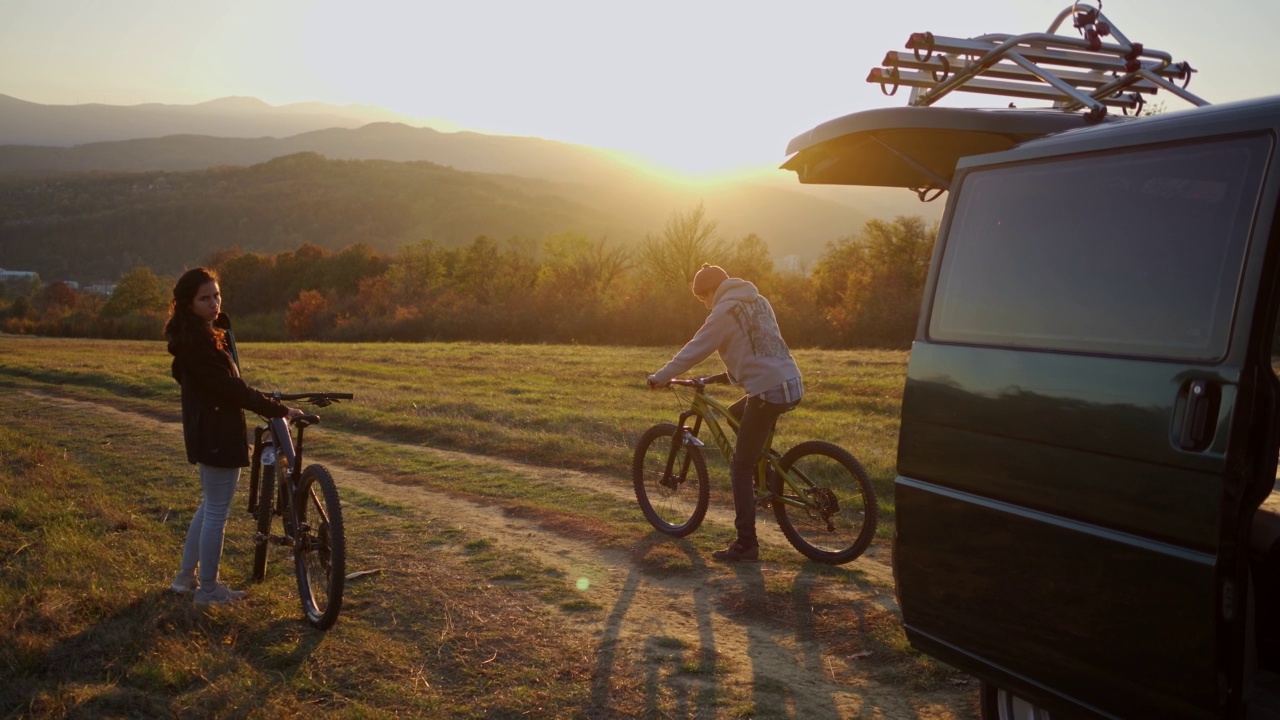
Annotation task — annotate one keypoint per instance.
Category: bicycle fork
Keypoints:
(684, 436)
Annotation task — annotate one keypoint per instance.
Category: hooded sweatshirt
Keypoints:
(744, 331)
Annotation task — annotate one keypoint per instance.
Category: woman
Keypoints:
(213, 427)
(742, 329)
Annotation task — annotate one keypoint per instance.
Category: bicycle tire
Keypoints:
(671, 506)
(320, 551)
(838, 520)
(265, 504)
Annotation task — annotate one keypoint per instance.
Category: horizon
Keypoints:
(709, 90)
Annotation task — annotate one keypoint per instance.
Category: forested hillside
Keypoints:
(385, 231)
(87, 227)
(864, 291)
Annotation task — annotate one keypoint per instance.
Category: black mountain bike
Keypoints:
(306, 501)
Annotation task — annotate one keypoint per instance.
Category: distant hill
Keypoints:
(28, 123)
(597, 192)
(73, 138)
(92, 226)
(530, 157)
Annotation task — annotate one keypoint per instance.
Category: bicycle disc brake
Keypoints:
(827, 504)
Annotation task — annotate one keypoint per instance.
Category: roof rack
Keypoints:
(1086, 72)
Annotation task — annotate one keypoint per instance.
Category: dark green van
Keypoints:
(1089, 423)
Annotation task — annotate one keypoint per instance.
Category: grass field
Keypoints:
(93, 510)
(561, 405)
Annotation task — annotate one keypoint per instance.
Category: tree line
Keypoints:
(863, 291)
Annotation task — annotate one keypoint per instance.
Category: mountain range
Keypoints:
(595, 191)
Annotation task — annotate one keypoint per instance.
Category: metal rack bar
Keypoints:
(1070, 72)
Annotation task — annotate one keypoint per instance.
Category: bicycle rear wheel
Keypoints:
(320, 551)
(673, 502)
(265, 505)
(830, 515)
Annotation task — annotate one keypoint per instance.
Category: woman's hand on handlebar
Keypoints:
(654, 384)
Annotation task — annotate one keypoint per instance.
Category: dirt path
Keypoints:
(785, 673)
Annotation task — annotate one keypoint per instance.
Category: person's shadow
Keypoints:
(687, 699)
(124, 644)
(789, 616)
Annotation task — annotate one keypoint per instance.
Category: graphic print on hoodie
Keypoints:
(758, 323)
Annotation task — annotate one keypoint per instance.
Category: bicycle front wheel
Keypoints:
(825, 506)
(320, 551)
(674, 502)
(265, 504)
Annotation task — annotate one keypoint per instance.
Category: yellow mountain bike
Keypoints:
(819, 492)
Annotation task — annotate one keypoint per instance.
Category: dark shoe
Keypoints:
(738, 552)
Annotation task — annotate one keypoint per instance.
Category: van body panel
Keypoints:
(1127, 631)
(1076, 431)
(1042, 497)
(1091, 414)
(1089, 438)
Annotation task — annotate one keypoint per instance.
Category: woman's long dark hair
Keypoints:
(184, 326)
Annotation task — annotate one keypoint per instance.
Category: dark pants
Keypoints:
(756, 419)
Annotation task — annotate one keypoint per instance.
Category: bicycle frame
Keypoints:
(704, 408)
(283, 438)
(288, 450)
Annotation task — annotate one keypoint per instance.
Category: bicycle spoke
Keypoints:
(674, 500)
(827, 508)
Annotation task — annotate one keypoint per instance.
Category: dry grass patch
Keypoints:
(88, 630)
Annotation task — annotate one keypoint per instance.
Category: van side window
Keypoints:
(1134, 253)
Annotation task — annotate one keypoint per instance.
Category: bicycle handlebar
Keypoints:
(317, 399)
(701, 382)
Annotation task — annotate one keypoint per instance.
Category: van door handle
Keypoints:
(1200, 411)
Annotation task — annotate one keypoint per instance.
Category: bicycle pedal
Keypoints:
(764, 503)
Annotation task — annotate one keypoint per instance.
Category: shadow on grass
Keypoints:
(669, 661)
(140, 662)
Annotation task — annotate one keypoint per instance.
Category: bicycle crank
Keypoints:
(260, 539)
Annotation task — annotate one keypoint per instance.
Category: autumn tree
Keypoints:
(574, 265)
(688, 240)
(870, 285)
(307, 315)
(59, 295)
(247, 282)
(138, 292)
(749, 258)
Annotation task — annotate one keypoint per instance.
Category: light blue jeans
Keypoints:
(203, 548)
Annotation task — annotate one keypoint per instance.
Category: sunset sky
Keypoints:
(696, 85)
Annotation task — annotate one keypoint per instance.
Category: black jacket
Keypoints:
(212, 397)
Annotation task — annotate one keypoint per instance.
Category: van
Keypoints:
(1084, 509)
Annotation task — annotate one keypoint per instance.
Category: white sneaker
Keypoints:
(219, 594)
(184, 582)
